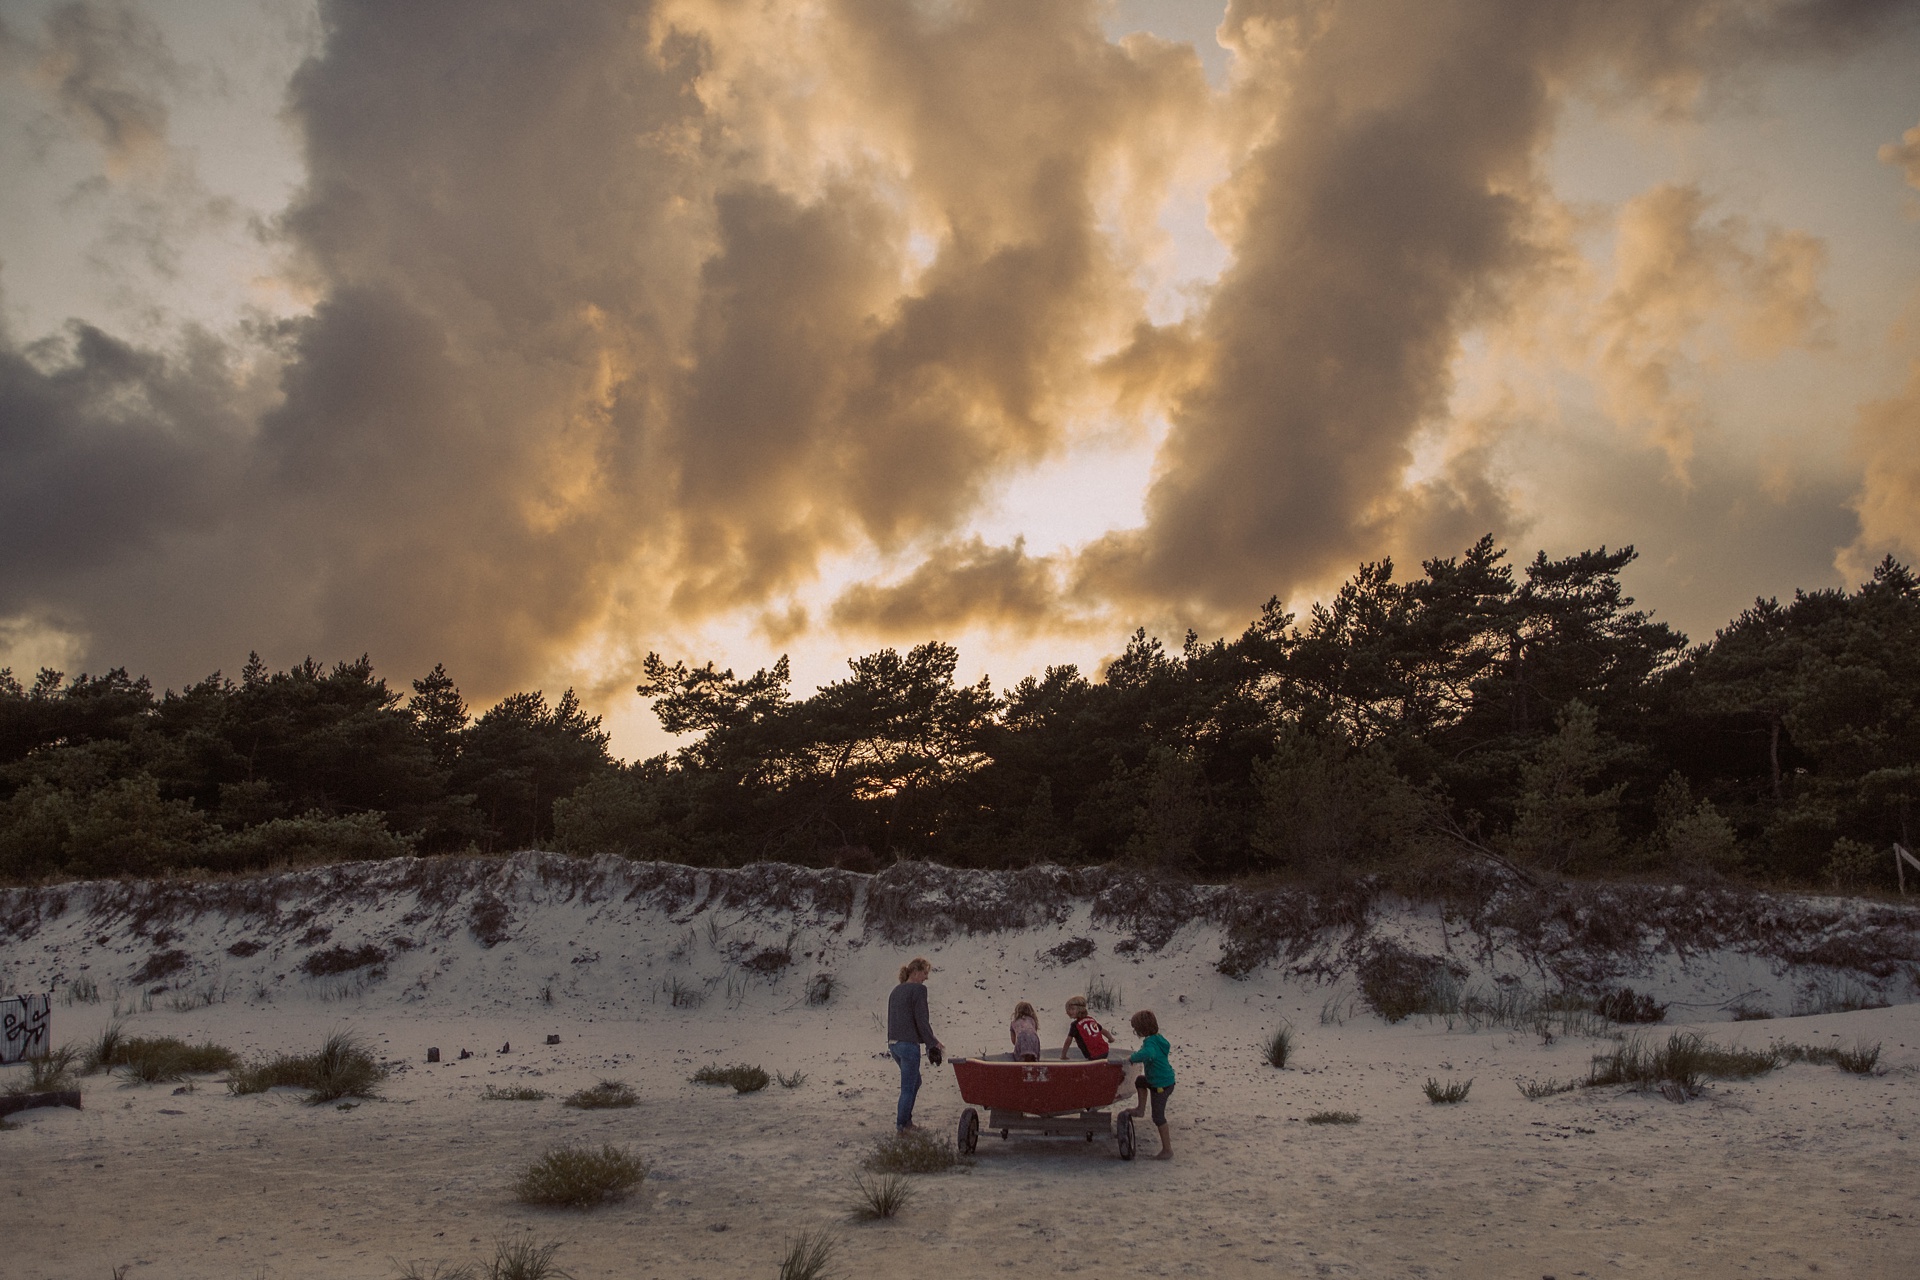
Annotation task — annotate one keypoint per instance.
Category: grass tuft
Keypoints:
(1623, 1004)
(101, 1054)
(435, 1271)
(55, 1071)
(820, 988)
(915, 1151)
(602, 1097)
(1102, 996)
(809, 1256)
(791, 1080)
(1534, 1090)
(1333, 1117)
(1278, 1047)
(1750, 1013)
(341, 1069)
(1451, 1091)
(880, 1197)
(522, 1259)
(83, 990)
(1861, 1059)
(579, 1177)
(743, 1078)
(517, 1094)
(1684, 1062)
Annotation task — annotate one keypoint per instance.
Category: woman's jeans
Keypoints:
(908, 1056)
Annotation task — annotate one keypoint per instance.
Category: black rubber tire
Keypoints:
(1123, 1134)
(969, 1136)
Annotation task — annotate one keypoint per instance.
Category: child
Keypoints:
(1025, 1030)
(1083, 1031)
(1157, 1078)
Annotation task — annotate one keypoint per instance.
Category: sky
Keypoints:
(529, 339)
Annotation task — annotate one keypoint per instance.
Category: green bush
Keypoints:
(744, 1079)
(579, 1177)
(309, 840)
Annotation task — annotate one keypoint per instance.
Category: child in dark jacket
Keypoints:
(1157, 1076)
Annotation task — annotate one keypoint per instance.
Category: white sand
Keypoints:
(1807, 1170)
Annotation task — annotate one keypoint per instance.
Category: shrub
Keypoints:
(150, 1060)
(1750, 1013)
(820, 988)
(603, 1096)
(1333, 1117)
(1623, 1005)
(1278, 1047)
(341, 959)
(809, 1256)
(744, 1079)
(1399, 984)
(309, 840)
(915, 1151)
(341, 1069)
(579, 1177)
(162, 964)
(793, 1081)
(514, 1095)
(881, 1197)
(1451, 1091)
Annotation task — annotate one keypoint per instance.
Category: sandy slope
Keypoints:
(1806, 1171)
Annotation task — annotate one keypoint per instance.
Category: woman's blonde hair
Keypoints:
(1024, 1010)
(919, 964)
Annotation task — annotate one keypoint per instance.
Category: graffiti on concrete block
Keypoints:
(25, 1023)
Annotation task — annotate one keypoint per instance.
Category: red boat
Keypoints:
(1051, 1096)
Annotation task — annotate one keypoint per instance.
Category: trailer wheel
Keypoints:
(1123, 1134)
(969, 1136)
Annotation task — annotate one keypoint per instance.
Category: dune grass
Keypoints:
(1860, 1059)
(55, 1071)
(604, 1096)
(517, 1094)
(880, 1197)
(579, 1177)
(1534, 1090)
(152, 1059)
(809, 1256)
(1683, 1063)
(1278, 1047)
(743, 1078)
(1333, 1117)
(342, 1068)
(1450, 1092)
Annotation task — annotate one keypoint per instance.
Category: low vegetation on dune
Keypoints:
(1333, 1117)
(341, 1068)
(603, 1096)
(809, 1256)
(1451, 1091)
(880, 1196)
(519, 1093)
(743, 1078)
(579, 1177)
(915, 1151)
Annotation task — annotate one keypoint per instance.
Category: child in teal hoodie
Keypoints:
(1157, 1077)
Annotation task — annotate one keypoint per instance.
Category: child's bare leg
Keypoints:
(1141, 1109)
(1166, 1144)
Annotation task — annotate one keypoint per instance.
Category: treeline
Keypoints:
(1534, 717)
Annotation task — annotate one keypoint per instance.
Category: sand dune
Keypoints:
(1804, 1170)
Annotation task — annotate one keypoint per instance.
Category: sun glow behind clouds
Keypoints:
(728, 329)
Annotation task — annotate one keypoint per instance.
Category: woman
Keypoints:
(908, 1028)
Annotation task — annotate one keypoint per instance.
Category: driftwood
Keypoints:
(28, 1101)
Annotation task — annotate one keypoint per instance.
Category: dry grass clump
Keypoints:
(1861, 1059)
(1452, 1091)
(1333, 1117)
(915, 1151)
(602, 1097)
(820, 988)
(151, 1059)
(791, 1080)
(743, 1078)
(809, 1256)
(342, 959)
(517, 1094)
(1534, 1090)
(1623, 1004)
(1278, 1047)
(521, 1259)
(1102, 996)
(880, 1197)
(44, 1075)
(1680, 1066)
(579, 1177)
(341, 1069)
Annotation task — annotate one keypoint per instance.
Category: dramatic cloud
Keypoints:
(1904, 155)
(619, 317)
